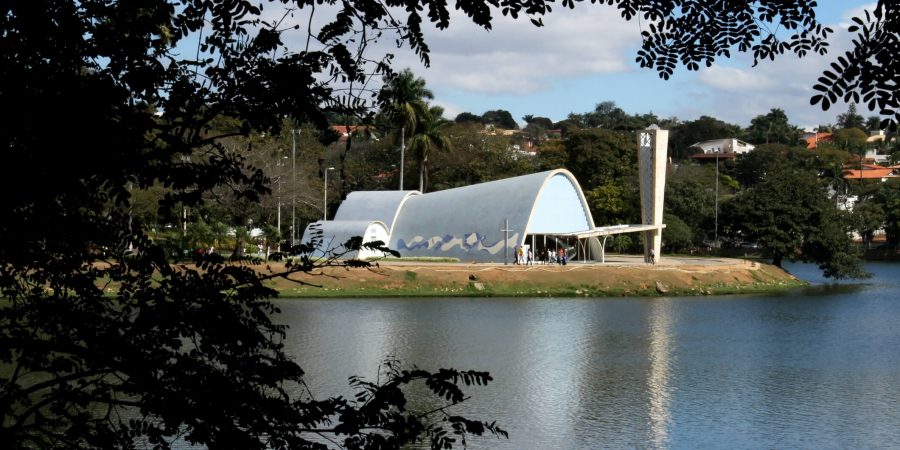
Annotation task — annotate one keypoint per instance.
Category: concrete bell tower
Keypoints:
(652, 154)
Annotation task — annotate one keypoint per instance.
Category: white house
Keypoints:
(731, 145)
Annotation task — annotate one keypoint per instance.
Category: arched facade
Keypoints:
(486, 222)
(469, 222)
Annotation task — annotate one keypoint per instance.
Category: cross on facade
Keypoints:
(506, 243)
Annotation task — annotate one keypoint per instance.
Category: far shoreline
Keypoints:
(619, 276)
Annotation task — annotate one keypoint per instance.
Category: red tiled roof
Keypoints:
(344, 130)
(812, 141)
(869, 172)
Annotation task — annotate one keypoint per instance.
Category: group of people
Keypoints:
(525, 256)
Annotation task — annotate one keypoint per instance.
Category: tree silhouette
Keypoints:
(867, 73)
(104, 342)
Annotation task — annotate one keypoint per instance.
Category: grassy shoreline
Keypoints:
(693, 277)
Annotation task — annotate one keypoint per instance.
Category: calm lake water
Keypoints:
(817, 368)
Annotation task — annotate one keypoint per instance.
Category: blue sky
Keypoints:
(583, 57)
(586, 56)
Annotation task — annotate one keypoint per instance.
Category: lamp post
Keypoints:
(716, 233)
(325, 202)
(402, 151)
(280, 181)
(294, 186)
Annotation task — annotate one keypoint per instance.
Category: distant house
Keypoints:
(814, 139)
(357, 131)
(875, 140)
(871, 172)
(721, 148)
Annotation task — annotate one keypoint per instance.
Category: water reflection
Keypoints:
(811, 369)
(658, 383)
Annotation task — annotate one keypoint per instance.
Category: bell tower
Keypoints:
(652, 152)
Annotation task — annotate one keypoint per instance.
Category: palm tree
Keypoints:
(429, 134)
(404, 103)
(404, 99)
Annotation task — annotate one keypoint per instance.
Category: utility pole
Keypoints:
(716, 233)
(506, 230)
(325, 200)
(402, 151)
(294, 186)
(280, 180)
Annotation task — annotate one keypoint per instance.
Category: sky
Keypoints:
(583, 57)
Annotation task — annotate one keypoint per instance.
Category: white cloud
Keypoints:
(586, 45)
(518, 58)
(738, 92)
(732, 79)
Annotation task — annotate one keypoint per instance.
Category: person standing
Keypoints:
(530, 257)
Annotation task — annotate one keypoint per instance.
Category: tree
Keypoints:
(107, 68)
(868, 71)
(868, 217)
(688, 133)
(677, 235)
(467, 117)
(888, 197)
(873, 124)
(773, 128)
(791, 216)
(598, 156)
(500, 118)
(852, 140)
(605, 163)
(172, 352)
(540, 121)
(428, 136)
(690, 196)
(850, 118)
(607, 203)
(475, 157)
(404, 99)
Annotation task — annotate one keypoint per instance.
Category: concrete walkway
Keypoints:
(611, 261)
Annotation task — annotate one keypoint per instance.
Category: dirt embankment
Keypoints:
(622, 278)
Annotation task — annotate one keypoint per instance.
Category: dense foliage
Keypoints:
(104, 342)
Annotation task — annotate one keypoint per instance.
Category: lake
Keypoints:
(812, 368)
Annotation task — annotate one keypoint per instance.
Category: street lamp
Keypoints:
(325, 203)
(402, 151)
(294, 186)
(716, 233)
(280, 163)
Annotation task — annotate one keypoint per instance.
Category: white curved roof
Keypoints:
(466, 222)
(373, 205)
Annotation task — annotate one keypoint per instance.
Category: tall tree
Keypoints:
(867, 217)
(773, 128)
(429, 135)
(404, 99)
(499, 118)
(790, 215)
(605, 162)
(873, 124)
(850, 118)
